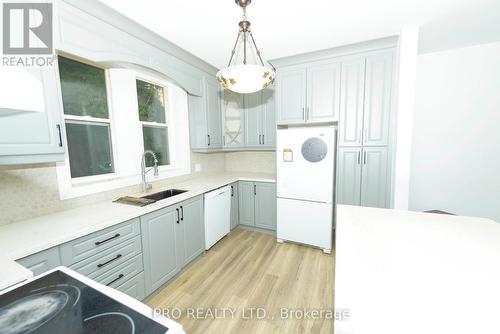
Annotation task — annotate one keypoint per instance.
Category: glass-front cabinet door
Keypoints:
(233, 119)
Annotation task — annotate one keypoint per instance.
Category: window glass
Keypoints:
(89, 149)
(156, 140)
(151, 99)
(83, 89)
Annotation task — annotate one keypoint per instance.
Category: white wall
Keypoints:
(455, 163)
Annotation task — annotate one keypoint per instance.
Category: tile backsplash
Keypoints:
(29, 191)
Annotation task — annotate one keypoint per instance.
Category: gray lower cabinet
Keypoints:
(257, 204)
(159, 248)
(134, 287)
(363, 176)
(234, 205)
(189, 231)
(41, 262)
(171, 238)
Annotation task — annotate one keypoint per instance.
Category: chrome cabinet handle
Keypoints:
(364, 157)
(263, 140)
(182, 213)
(303, 113)
(232, 191)
(108, 262)
(116, 279)
(97, 243)
(208, 136)
(359, 157)
(178, 215)
(255, 189)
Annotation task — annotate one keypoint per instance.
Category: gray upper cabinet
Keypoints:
(260, 119)
(213, 108)
(159, 247)
(34, 136)
(265, 205)
(189, 229)
(308, 93)
(349, 175)
(374, 181)
(234, 206)
(323, 92)
(205, 118)
(233, 119)
(377, 104)
(246, 203)
(291, 95)
(41, 262)
(351, 102)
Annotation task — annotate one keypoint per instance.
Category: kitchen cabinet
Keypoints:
(257, 204)
(366, 84)
(205, 118)
(260, 120)
(41, 262)
(233, 119)
(159, 247)
(362, 176)
(171, 237)
(308, 93)
(33, 136)
(189, 231)
(234, 205)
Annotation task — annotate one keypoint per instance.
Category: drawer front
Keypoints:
(41, 262)
(110, 258)
(121, 273)
(82, 248)
(134, 287)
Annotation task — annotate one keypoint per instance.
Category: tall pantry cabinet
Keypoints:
(363, 169)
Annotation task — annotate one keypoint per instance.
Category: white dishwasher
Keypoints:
(217, 215)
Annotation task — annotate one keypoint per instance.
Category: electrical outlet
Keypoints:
(197, 167)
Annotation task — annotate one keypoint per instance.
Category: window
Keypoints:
(86, 115)
(152, 102)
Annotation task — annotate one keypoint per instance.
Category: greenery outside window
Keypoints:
(152, 106)
(87, 119)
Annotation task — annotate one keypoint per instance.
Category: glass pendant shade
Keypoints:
(240, 76)
(246, 79)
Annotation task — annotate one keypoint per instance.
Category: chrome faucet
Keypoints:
(145, 185)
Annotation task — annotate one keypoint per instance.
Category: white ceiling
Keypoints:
(282, 28)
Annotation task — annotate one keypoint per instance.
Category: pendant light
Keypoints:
(243, 77)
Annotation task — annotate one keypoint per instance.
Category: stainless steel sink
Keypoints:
(164, 194)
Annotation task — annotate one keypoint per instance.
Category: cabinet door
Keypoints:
(198, 130)
(349, 175)
(159, 248)
(377, 104)
(265, 205)
(351, 102)
(233, 119)
(41, 262)
(268, 118)
(374, 181)
(234, 205)
(323, 92)
(214, 121)
(246, 200)
(190, 238)
(253, 119)
(34, 136)
(291, 95)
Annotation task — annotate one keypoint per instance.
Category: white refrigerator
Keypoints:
(305, 185)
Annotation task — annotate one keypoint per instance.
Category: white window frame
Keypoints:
(127, 137)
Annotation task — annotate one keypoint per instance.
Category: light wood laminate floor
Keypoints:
(248, 270)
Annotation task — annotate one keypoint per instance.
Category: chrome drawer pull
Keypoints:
(108, 262)
(116, 279)
(97, 243)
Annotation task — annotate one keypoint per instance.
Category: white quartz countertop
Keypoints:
(408, 272)
(21, 239)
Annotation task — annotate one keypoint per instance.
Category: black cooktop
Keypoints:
(59, 303)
